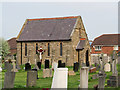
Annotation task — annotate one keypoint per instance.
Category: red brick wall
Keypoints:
(94, 52)
(12, 51)
(105, 49)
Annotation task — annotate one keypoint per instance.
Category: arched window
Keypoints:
(60, 49)
(36, 48)
(25, 49)
(48, 49)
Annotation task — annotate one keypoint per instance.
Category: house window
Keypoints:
(116, 47)
(48, 49)
(36, 48)
(60, 49)
(25, 49)
(97, 47)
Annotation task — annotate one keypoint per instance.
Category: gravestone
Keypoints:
(8, 66)
(14, 67)
(118, 81)
(50, 72)
(0, 69)
(59, 63)
(71, 73)
(95, 64)
(84, 77)
(107, 67)
(92, 70)
(114, 68)
(31, 78)
(46, 63)
(36, 71)
(47, 73)
(9, 79)
(27, 66)
(39, 65)
(101, 82)
(113, 81)
(62, 65)
(60, 78)
(76, 67)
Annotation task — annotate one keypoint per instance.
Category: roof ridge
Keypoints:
(112, 34)
(11, 38)
(53, 18)
(103, 35)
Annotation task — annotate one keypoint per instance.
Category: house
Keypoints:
(105, 44)
(13, 46)
(61, 38)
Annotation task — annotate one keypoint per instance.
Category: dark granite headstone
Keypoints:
(113, 81)
(37, 72)
(62, 65)
(59, 63)
(39, 65)
(95, 64)
(9, 79)
(8, 66)
(31, 78)
(46, 63)
(76, 67)
(27, 67)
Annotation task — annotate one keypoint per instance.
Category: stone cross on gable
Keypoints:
(40, 51)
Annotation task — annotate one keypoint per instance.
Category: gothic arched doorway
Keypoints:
(87, 58)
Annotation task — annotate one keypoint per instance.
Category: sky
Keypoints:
(98, 17)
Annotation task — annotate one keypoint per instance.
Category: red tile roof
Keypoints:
(53, 18)
(107, 39)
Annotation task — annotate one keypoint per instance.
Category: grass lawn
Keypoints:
(21, 77)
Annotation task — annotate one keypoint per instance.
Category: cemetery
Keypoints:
(58, 75)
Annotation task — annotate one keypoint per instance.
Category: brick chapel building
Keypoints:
(62, 38)
(105, 44)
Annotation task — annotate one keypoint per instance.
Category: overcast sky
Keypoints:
(98, 17)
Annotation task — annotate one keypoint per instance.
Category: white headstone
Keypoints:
(84, 77)
(0, 69)
(107, 67)
(60, 78)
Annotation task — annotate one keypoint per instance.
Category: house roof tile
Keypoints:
(107, 39)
